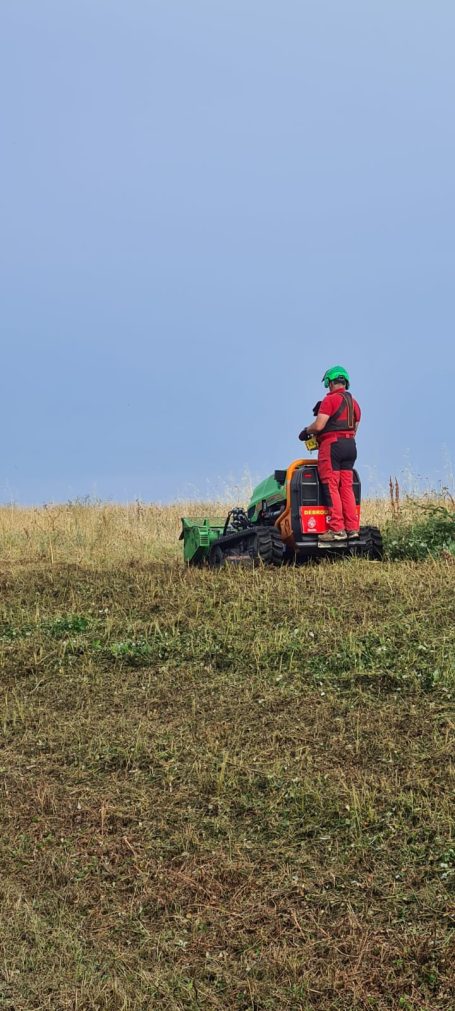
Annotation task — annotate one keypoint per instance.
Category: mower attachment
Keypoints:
(198, 535)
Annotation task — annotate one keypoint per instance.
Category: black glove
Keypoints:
(304, 435)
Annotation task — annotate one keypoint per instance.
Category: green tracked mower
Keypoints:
(282, 523)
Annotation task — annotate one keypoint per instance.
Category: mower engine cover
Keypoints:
(271, 493)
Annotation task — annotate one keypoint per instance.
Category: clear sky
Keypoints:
(203, 205)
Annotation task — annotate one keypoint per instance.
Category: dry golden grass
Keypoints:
(103, 534)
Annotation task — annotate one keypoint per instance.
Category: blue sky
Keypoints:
(203, 205)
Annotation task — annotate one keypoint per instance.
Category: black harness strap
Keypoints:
(334, 424)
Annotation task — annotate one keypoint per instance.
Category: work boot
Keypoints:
(353, 535)
(331, 537)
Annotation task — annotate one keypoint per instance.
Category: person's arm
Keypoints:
(316, 426)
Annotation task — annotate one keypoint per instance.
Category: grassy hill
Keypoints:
(224, 790)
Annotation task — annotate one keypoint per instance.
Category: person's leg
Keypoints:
(344, 454)
(331, 481)
(350, 515)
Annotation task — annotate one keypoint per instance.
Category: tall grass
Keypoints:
(105, 534)
(90, 533)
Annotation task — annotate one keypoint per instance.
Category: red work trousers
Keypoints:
(336, 460)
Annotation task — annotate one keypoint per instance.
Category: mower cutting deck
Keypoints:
(285, 515)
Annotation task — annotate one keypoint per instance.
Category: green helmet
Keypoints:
(338, 372)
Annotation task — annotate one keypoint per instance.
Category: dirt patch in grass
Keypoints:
(227, 790)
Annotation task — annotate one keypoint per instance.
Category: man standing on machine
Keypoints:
(338, 416)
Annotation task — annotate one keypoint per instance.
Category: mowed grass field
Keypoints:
(221, 790)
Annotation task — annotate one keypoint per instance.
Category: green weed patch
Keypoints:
(426, 530)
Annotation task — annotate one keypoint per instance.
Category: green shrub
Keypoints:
(430, 530)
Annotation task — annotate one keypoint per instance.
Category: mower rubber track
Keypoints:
(374, 545)
(256, 544)
(264, 544)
